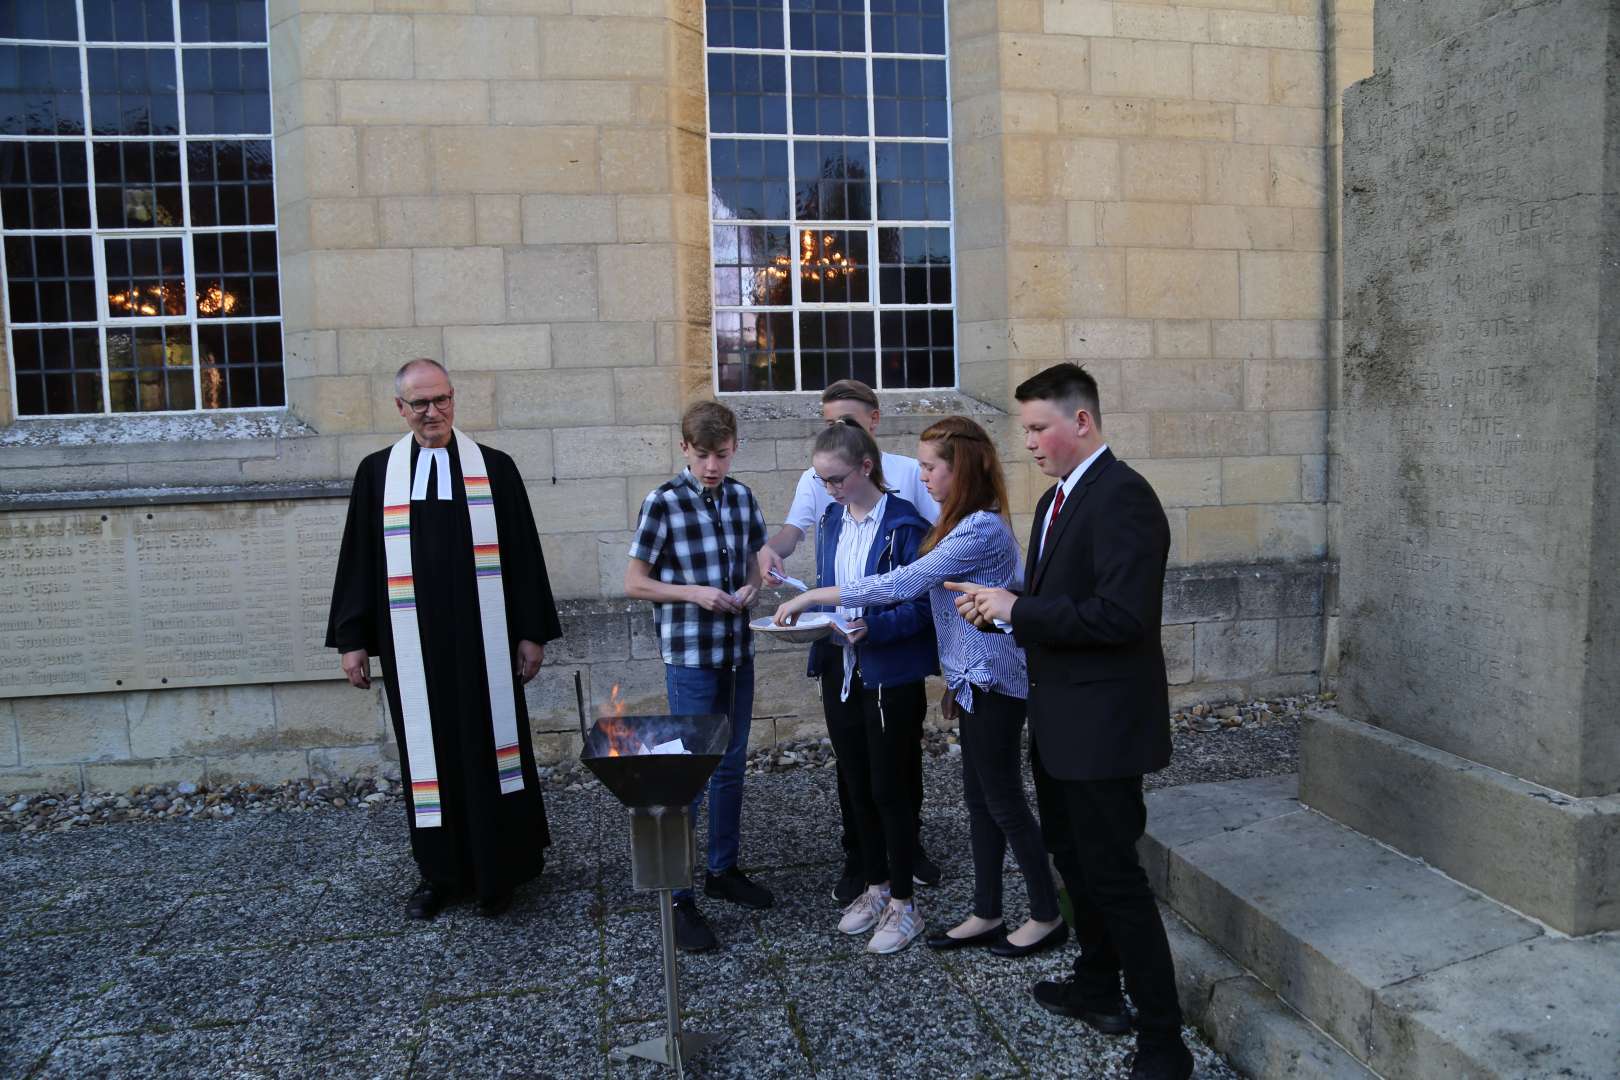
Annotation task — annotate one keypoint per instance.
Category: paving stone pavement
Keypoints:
(276, 946)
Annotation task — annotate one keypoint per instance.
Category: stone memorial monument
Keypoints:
(1479, 590)
(1480, 537)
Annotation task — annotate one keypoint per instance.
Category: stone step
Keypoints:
(1416, 976)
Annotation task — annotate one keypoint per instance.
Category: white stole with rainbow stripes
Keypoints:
(416, 717)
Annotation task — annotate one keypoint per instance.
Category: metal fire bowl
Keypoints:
(648, 780)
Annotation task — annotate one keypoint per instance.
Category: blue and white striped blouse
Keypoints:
(981, 549)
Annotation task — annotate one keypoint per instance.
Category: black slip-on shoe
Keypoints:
(1104, 1013)
(692, 933)
(427, 901)
(734, 885)
(1054, 938)
(943, 941)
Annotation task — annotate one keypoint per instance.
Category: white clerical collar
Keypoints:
(425, 457)
(1080, 470)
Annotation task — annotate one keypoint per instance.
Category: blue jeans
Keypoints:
(694, 691)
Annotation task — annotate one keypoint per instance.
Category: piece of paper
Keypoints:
(674, 746)
(790, 581)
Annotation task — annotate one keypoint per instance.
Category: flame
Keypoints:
(622, 739)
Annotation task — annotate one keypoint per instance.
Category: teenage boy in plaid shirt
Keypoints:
(694, 557)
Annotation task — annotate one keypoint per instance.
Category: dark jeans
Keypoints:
(998, 816)
(873, 733)
(1092, 827)
(694, 691)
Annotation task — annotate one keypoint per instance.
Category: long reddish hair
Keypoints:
(976, 481)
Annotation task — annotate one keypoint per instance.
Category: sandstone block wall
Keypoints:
(518, 188)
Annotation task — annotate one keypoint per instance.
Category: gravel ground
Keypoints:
(257, 931)
(1255, 738)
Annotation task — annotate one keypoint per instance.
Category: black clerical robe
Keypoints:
(488, 842)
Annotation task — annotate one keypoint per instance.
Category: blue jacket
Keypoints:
(899, 645)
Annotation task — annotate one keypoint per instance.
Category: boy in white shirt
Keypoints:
(854, 399)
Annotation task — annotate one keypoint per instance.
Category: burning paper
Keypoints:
(674, 746)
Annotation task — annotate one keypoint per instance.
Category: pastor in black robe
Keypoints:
(488, 842)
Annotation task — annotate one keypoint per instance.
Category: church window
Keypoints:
(830, 194)
(137, 206)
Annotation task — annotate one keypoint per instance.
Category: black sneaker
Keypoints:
(1100, 1010)
(851, 883)
(692, 933)
(924, 871)
(734, 885)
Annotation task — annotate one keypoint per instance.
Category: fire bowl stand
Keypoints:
(662, 856)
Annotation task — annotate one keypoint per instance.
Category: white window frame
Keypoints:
(185, 232)
(872, 140)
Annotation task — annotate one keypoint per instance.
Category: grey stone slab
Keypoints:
(1548, 1007)
(254, 917)
(28, 1035)
(1182, 814)
(894, 1018)
(1537, 850)
(1200, 966)
(157, 993)
(544, 942)
(1262, 1036)
(1327, 917)
(741, 974)
(42, 969)
(522, 1035)
(206, 1054)
(759, 1041)
(115, 902)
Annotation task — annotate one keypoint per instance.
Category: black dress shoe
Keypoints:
(692, 933)
(1054, 937)
(1104, 1012)
(943, 941)
(1166, 1059)
(734, 885)
(924, 871)
(491, 906)
(427, 901)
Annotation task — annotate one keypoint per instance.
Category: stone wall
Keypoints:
(518, 189)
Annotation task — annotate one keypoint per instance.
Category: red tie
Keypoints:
(1057, 508)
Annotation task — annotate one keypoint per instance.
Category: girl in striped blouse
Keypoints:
(984, 674)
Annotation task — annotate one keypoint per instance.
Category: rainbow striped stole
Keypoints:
(427, 808)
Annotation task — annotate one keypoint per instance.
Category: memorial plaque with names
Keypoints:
(141, 598)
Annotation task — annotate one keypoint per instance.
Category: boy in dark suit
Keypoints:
(1088, 619)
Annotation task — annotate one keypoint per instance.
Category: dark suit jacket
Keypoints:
(1088, 620)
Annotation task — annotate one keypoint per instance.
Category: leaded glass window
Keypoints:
(830, 194)
(137, 206)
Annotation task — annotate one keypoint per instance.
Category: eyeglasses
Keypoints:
(836, 481)
(420, 407)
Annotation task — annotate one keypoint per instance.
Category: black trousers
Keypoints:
(872, 734)
(998, 815)
(1091, 829)
(846, 811)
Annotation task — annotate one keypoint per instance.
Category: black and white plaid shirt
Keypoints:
(690, 537)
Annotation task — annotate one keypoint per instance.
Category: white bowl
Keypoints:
(812, 626)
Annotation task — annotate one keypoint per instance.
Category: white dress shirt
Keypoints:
(855, 540)
(1053, 510)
